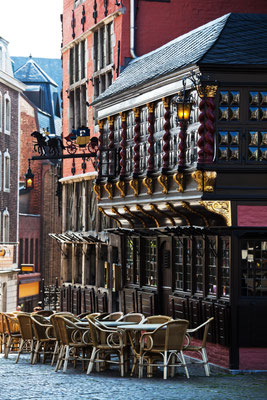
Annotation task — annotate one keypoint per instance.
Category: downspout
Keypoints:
(132, 29)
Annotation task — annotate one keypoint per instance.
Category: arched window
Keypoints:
(0, 170)
(6, 171)
(7, 113)
(6, 226)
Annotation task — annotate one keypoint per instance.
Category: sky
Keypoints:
(32, 27)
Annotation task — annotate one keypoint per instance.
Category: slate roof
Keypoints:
(51, 66)
(230, 39)
(32, 72)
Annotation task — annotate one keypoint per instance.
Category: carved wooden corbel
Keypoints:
(163, 181)
(178, 178)
(109, 189)
(148, 183)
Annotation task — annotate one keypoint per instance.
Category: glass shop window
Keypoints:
(132, 261)
(199, 264)
(224, 260)
(212, 265)
(178, 263)
(151, 271)
(254, 267)
(188, 264)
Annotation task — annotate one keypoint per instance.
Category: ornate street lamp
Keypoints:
(29, 177)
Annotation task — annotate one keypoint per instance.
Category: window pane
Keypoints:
(151, 273)
(212, 266)
(178, 264)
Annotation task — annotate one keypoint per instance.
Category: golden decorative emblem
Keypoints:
(163, 181)
(110, 120)
(177, 213)
(207, 91)
(150, 107)
(121, 187)
(110, 216)
(205, 180)
(127, 209)
(97, 190)
(136, 111)
(134, 184)
(123, 116)
(160, 212)
(148, 183)
(178, 177)
(139, 208)
(109, 189)
(115, 211)
(222, 208)
(192, 211)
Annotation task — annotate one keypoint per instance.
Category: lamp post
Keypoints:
(29, 177)
(184, 103)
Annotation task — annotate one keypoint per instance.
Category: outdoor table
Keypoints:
(114, 324)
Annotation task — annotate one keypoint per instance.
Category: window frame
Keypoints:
(7, 100)
(6, 232)
(5, 180)
(1, 111)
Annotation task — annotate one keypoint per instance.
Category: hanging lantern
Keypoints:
(29, 177)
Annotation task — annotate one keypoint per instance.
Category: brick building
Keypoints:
(10, 92)
(131, 99)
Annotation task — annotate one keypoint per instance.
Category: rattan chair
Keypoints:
(44, 313)
(107, 342)
(113, 316)
(3, 335)
(27, 337)
(201, 349)
(45, 343)
(157, 319)
(13, 334)
(73, 340)
(133, 317)
(169, 354)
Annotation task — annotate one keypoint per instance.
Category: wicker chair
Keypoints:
(11, 327)
(44, 313)
(105, 343)
(113, 316)
(152, 350)
(201, 349)
(44, 343)
(27, 336)
(133, 317)
(2, 334)
(157, 319)
(73, 340)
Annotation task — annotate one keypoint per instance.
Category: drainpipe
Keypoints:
(132, 29)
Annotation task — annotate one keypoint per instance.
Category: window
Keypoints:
(1, 58)
(132, 260)
(6, 226)
(103, 58)
(254, 267)
(1, 107)
(77, 92)
(6, 171)
(151, 270)
(0, 170)
(7, 114)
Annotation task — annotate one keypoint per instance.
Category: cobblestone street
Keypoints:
(24, 381)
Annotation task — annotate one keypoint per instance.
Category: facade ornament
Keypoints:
(222, 208)
(166, 136)
(205, 180)
(148, 183)
(162, 213)
(115, 211)
(123, 144)
(127, 209)
(150, 139)
(136, 139)
(121, 186)
(170, 207)
(109, 189)
(97, 190)
(134, 184)
(101, 209)
(140, 208)
(178, 178)
(207, 90)
(192, 211)
(163, 181)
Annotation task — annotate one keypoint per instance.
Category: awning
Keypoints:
(75, 238)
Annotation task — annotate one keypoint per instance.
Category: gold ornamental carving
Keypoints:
(205, 180)
(123, 116)
(207, 90)
(162, 213)
(136, 111)
(121, 186)
(115, 211)
(177, 213)
(150, 107)
(110, 120)
(178, 178)
(101, 124)
(109, 189)
(163, 181)
(97, 190)
(166, 102)
(192, 211)
(140, 208)
(222, 208)
(110, 216)
(148, 183)
(127, 209)
(134, 185)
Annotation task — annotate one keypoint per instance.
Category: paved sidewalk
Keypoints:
(24, 381)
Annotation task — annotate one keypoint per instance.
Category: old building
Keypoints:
(10, 92)
(167, 232)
